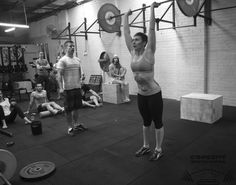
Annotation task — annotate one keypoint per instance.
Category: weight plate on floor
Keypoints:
(8, 164)
(189, 8)
(105, 20)
(37, 170)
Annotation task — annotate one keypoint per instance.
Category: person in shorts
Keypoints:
(89, 97)
(39, 96)
(70, 74)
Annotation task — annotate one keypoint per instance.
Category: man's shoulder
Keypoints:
(61, 62)
(33, 93)
(62, 59)
(36, 92)
(76, 58)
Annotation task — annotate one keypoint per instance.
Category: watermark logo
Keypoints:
(208, 170)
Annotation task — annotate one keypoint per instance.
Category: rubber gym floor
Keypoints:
(194, 152)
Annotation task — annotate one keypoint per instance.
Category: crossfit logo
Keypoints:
(208, 170)
(207, 158)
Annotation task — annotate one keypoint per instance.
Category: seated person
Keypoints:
(117, 73)
(39, 96)
(91, 101)
(9, 111)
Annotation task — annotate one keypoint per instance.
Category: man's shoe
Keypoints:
(156, 155)
(80, 127)
(142, 151)
(71, 132)
(127, 100)
(4, 126)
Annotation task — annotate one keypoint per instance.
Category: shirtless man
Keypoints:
(150, 101)
(39, 96)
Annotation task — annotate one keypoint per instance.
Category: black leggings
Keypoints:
(151, 109)
(11, 117)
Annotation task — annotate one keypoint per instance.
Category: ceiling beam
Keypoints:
(40, 5)
(40, 16)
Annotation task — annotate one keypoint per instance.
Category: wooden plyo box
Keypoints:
(112, 93)
(205, 108)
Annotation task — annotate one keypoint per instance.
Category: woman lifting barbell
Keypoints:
(150, 101)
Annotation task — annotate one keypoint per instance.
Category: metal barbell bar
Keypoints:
(135, 10)
(109, 16)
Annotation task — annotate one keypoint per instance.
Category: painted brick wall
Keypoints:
(183, 55)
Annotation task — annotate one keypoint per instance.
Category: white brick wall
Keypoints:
(181, 56)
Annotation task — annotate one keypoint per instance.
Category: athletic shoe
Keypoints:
(127, 100)
(71, 132)
(4, 126)
(80, 127)
(142, 151)
(156, 155)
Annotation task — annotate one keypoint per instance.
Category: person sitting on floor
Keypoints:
(39, 96)
(91, 101)
(9, 110)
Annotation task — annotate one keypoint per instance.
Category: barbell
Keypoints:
(8, 166)
(109, 16)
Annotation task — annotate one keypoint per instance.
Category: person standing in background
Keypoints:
(42, 67)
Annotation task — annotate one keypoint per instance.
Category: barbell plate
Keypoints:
(104, 61)
(105, 20)
(37, 170)
(189, 8)
(8, 164)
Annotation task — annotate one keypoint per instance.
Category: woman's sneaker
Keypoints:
(142, 151)
(156, 155)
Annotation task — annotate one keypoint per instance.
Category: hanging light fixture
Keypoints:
(10, 29)
(14, 25)
(17, 25)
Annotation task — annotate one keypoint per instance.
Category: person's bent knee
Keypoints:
(93, 97)
(48, 106)
(147, 124)
(158, 125)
